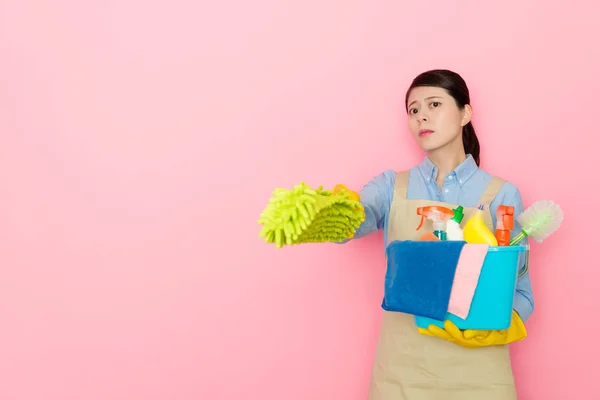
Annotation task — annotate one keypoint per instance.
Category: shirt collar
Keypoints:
(462, 173)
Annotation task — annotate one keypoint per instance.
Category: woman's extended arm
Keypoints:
(376, 198)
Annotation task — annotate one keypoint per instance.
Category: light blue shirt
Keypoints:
(463, 186)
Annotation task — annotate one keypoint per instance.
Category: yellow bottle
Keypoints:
(476, 232)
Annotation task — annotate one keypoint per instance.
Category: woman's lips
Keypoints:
(425, 132)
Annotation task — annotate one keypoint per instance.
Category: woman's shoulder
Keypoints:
(388, 176)
(508, 190)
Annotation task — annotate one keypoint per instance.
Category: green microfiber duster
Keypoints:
(306, 215)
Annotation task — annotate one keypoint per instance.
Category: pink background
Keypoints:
(140, 142)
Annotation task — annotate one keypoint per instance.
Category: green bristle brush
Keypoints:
(306, 215)
(539, 221)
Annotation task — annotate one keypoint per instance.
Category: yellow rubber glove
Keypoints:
(470, 338)
(353, 196)
(339, 187)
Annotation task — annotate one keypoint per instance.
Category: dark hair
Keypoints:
(456, 87)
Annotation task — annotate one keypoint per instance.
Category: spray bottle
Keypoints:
(505, 222)
(439, 216)
(476, 231)
(454, 231)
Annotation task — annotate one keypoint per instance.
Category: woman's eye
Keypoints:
(435, 104)
(413, 111)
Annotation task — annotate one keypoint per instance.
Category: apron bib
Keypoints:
(412, 366)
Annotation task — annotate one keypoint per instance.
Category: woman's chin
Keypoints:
(431, 143)
(428, 146)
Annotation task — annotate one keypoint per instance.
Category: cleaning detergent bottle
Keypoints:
(505, 222)
(477, 232)
(439, 216)
(454, 231)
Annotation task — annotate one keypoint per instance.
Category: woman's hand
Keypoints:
(471, 338)
(353, 196)
(339, 187)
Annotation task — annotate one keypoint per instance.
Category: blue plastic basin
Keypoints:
(492, 304)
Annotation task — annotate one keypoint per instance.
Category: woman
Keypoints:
(437, 363)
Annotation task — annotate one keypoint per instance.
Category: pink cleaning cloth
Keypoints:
(466, 278)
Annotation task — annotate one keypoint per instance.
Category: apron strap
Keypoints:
(401, 185)
(489, 194)
(491, 191)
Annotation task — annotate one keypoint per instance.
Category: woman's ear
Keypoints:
(467, 114)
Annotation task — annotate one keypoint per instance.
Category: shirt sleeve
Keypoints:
(376, 198)
(523, 301)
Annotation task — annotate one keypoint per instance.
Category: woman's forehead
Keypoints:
(424, 92)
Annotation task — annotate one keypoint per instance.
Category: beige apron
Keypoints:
(412, 366)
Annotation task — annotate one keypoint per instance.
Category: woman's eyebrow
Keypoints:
(427, 98)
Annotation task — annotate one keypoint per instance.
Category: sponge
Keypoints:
(306, 215)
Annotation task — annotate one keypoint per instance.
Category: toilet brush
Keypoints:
(539, 221)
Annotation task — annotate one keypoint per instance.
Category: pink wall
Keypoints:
(141, 141)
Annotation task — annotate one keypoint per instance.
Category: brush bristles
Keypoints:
(306, 215)
(541, 219)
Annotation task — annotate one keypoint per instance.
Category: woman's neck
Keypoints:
(446, 159)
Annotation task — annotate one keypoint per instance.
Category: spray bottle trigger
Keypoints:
(509, 222)
(420, 212)
(505, 215)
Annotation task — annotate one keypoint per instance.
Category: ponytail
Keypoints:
(470, 142)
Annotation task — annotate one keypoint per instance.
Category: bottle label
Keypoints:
(441, 235)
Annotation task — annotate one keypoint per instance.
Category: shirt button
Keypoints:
(446, 190)
(450, 177)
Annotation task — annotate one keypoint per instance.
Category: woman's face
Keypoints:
(434, 119)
